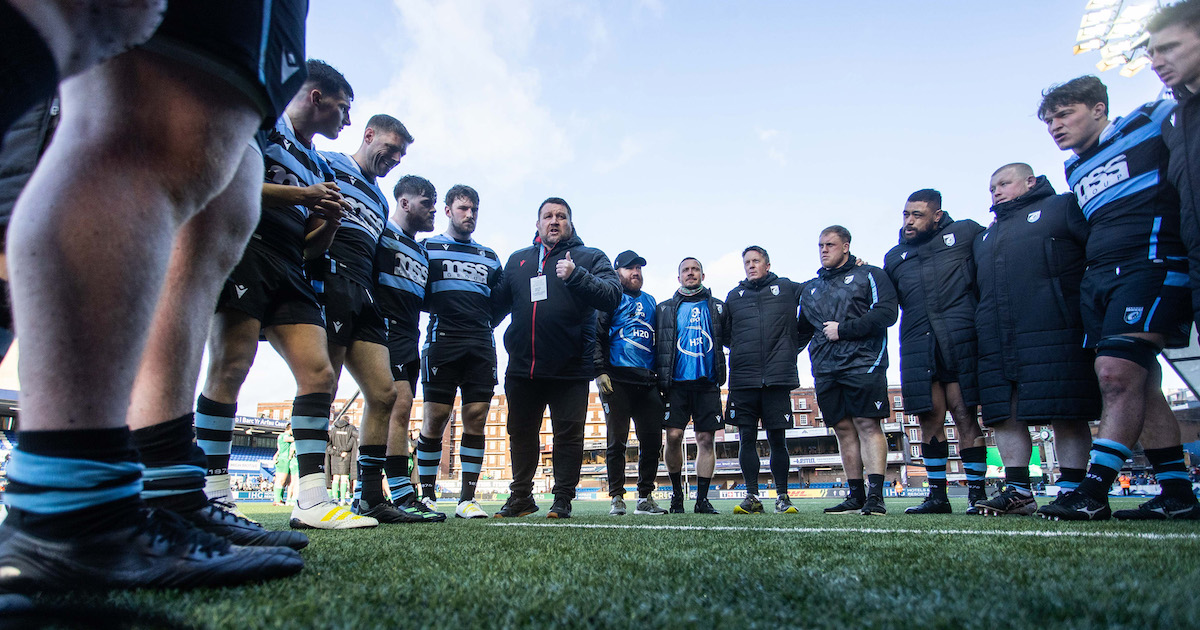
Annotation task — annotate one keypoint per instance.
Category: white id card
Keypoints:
(537, 288)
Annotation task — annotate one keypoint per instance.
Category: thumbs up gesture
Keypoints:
(565, 267)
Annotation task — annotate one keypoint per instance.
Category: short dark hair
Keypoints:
(1087, 90)
(1020, 168)
(842, 232)
(931, 197)
(756, 248)
(414, 185)
(388, 124)
(556, 200)
(325, 78)
(680, 265)
(464, 191)
(1186, 13)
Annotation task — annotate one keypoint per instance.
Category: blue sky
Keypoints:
(699, 128)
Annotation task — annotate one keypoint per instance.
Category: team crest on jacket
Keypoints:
(774, 289)
(949, 239)
(849, 279)
(1034, 216)
(1133, 314)
(903, 255)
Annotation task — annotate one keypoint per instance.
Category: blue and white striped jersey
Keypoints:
(353, 249)
(462, 276)
(281, 228)
(1122, 188)
(402, 269)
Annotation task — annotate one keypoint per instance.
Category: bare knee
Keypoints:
(867, 426)
(1118, 377)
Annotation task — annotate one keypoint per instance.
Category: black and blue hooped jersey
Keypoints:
(402, 269)
(1122, 188)
(288, 163)
(631, 332)
(462, 276)
(694, 343)
(353, 249)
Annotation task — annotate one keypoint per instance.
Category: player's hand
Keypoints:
(604, 384)
(331, 210)
(565, 267)
(859, 262)
(831, 331)
(310, 196)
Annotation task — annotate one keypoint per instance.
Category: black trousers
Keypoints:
(527, 402)
(644, 406)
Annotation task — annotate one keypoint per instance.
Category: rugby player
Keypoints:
(691, 370)
(269, 293)
(210, 75)
(460, 349)
(402, 268)
(845, 311)
(1134, 293)
(933, 273)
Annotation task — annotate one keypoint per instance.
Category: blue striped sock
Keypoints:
(1106, 461)
(470, 453)
(429, 458)
(214, 435)
(399, 483)
(371, 460)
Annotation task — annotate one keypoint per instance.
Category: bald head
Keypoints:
(1011, 181)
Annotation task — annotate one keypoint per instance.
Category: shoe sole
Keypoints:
(994, 512)
(556, 515)
(296, 523)
(790, 510)
(616, 514)
(646, 513)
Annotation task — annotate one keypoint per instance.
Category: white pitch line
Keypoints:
(867, 530)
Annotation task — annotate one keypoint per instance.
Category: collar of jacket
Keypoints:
(850, 263)
(928, 236)
(573, 241)
(1041, 190)
(761, 282)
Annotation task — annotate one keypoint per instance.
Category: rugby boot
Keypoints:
(1162, 508)
(749, 505)
(162, 550)
(931, 505)
(874, 505)
(783, 505)
(852, 505)
(560, 509)
(676, 504)
(1075, 506)
(1008, 502)
(221, 518)
(516, 507)
(703, 506)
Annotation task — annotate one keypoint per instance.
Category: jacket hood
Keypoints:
(341, 422)
(761, 282)
(925, 238)
(850, 263)
(573, 241)
(1041, 190)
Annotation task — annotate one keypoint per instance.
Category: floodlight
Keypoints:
(1116, 28)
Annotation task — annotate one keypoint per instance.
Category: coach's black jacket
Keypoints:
(555, 337)
(934, 278)
(1029, 264)
(862, 301)
(1181, 132)
(665, 336)
(763, 340)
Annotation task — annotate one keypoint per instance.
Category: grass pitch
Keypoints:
(805, 571)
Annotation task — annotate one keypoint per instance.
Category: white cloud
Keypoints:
(467, 93)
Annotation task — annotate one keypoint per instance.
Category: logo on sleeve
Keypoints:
(1133, 314)
(949, 239)
(1034, 216)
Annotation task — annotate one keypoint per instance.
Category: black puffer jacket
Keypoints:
(934, 278)
(1029, 264)
(665, 336)
(862, 300)
(343, 439)
(763, 340)
(1181, 132)
(555, 338)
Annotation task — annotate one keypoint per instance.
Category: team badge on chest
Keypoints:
(949, 239)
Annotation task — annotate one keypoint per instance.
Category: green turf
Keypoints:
(486, 573)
